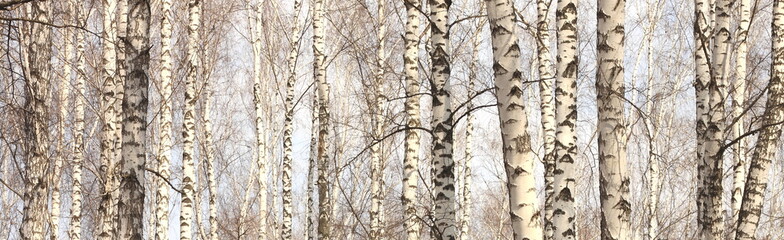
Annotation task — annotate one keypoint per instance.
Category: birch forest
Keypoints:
(391, 119)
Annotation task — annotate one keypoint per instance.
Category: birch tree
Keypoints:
(517, 152)
(189, 121)
(288, 126)
(325, 205)
(131, 201)
(111, 123)
(613, 171)
(65, 85)
(546, 79)
(565, 213)
(411, 158)
(165, 121)
(75, 229)
(377, 110)
(34, 217)
(768, 139)
(702, 34)
(259, 100)
(738, 101)
(442, 123)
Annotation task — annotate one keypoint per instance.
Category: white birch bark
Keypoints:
(34, 216)
(111, 124)
(411, 158)
(377, 110)
(564, 213)
(518, 155)
(259, 100)
(165, 121)
(212, 182)
(288, 127)
(546, 80)
(320, 70)
(738, 101)
(465, 210)
(65, 85)
(75, 229)
(134, 153)
(768, 139)
(189, 122)
(702, 34)
(311, 181)
(613, 171)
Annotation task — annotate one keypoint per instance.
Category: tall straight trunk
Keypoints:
(613, 171)
(319, 71)
(165, 121)
(75, 230)
(703, 28)
(311, 180)
(442, 123)
(377, 110)
(546, 80)
(212, 182)
(564, 213)
(713, 225)
(765, 151)
(189, 121)
(518, 156)
(65, 84)
(134, 153)
(110, 146)
(738, 100)
(34, 216)
(261, 134)
(465, 213)
(411, 158)
(288, 126)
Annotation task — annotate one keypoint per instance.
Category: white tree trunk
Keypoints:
(212, 182)
(546, 80)
(613, 171)
(702, 35)
(738, 100)
(165, 121)
(442, 123)
(261, 134)
(320, 70)
(411, 158)
(38, 72)
(566, 117)
(65, 85)
(377, 110)
(518, 156)
(189, 122)
(110, 146)
(311, 180)
(288, 127)
(134, 153)
(75, 230)
(765, 151)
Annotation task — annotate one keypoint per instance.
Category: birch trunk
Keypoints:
(765, 151)
(34, 216)
(65, 84)
(131, 201)
(411, 158)
(189, 121)
(566, 117)
(165, 150)
(518, 156)
(288, 124)
(702, 35)
(442, 123)
(212, 182)
(713, 225)
(259, 100)
(75, 230)
(738, 100)
(377, 109)
(546, 80)
(613, 171)
(111, 124)
(320, 70)
(310, 182)
(465, 214)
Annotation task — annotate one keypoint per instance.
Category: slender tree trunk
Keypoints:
(110, 146)
(738, 99)
(36, 128)
(518, 156)
(311, 181)
(564, 213)
(411, 158)
(613, 171)
(75, 231)
(212, 182)
(189, 122)
(546, 80)
(377, 110)
(320, 70)
(165, 150)
(134, 153)
(465, 214)
(288, 124)
(261, 134)
(703, 29)
(65, 84)
(765, 151)
(713, 224)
